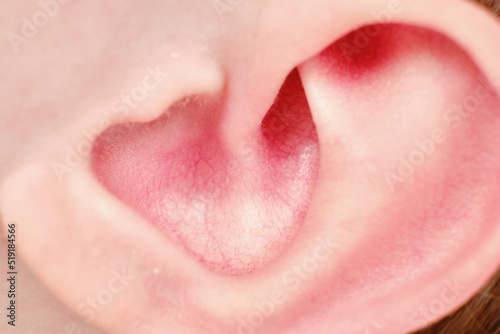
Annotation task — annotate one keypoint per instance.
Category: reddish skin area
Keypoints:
(437, 209)
(423, 215)
(184, 179)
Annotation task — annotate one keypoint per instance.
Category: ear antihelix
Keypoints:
(406, 121)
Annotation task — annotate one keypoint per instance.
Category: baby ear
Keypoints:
(400, 225)
(406, 121)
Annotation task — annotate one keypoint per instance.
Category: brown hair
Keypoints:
(493, 5)
(482, 313)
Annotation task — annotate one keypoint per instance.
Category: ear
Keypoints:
(333, 175)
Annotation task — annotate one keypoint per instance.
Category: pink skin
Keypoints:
(235, 211)
(280, 177)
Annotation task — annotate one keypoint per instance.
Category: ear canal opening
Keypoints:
(234, 210)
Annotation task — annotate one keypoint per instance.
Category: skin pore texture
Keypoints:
(234, 208)
(267, 167)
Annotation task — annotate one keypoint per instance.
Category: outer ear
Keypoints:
(401, 224)
(407, 123)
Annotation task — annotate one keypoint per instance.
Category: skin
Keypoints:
(391, 225)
